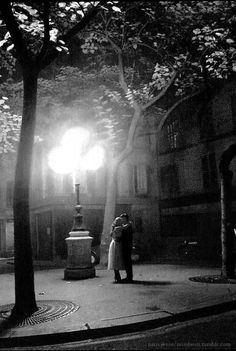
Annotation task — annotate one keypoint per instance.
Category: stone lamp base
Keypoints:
(79, 264)
(79, 273)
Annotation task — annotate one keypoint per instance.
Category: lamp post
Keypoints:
(79, 265)
(78, 217)
(79, 242)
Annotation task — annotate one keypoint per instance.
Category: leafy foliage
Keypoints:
(38, 30)
(196, 38)
(206, 32)
(77, 97)
(154, 39)
(9, 127)
(62, 16)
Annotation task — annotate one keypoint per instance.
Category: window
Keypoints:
(209, 171)
(9, 193)
(141, 175)
(173, 134)
(169, 180)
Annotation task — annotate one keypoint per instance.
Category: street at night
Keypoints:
(211, 333)
(117, 174)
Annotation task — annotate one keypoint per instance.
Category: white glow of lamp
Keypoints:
(75, 139)
(60, 161)
(65, 158)
(93, 159)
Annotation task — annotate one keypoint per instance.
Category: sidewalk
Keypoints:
(161, 294)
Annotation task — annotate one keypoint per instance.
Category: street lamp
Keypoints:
(61, 161)
(68, 158)
(78, 217)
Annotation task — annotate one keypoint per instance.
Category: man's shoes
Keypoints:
(126, 281)
(117, 281)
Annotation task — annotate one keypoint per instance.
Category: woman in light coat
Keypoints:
(115, 254)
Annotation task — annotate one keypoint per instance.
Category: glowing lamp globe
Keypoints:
(94, 158)
(74, 139)
(60, 161)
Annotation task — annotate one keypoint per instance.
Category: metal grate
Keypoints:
(217, 279)
(48, 310)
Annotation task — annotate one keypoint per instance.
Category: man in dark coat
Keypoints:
(127, 244)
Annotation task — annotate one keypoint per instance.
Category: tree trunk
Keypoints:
(227, 224)
(111, 194)
(110, 205)
(25, 303)
(112, 181)
(227, 232)
(109, 212)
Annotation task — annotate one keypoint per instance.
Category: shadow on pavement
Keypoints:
(8, 323)
(151, 282)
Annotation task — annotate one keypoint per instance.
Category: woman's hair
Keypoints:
(117, 222)
(124, 215)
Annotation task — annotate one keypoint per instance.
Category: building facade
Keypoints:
(191, 142)
(169, 185)
(6, 203)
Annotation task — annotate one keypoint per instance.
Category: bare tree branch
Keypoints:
(46, 31)
(53, 52)
(118, 50)
(161, 94)
(136, 106)
(142, 28)
(83, 22)
(226, 158)
(81, 8)
(107, 24)
(185, 98)
(146, 45)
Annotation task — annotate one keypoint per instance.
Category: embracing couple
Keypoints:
(119, 256)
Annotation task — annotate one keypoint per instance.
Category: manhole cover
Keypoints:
(48, 310)
(217, 279)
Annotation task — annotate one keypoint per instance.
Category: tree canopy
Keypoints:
(143, 41)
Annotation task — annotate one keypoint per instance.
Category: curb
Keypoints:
(65, 337)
